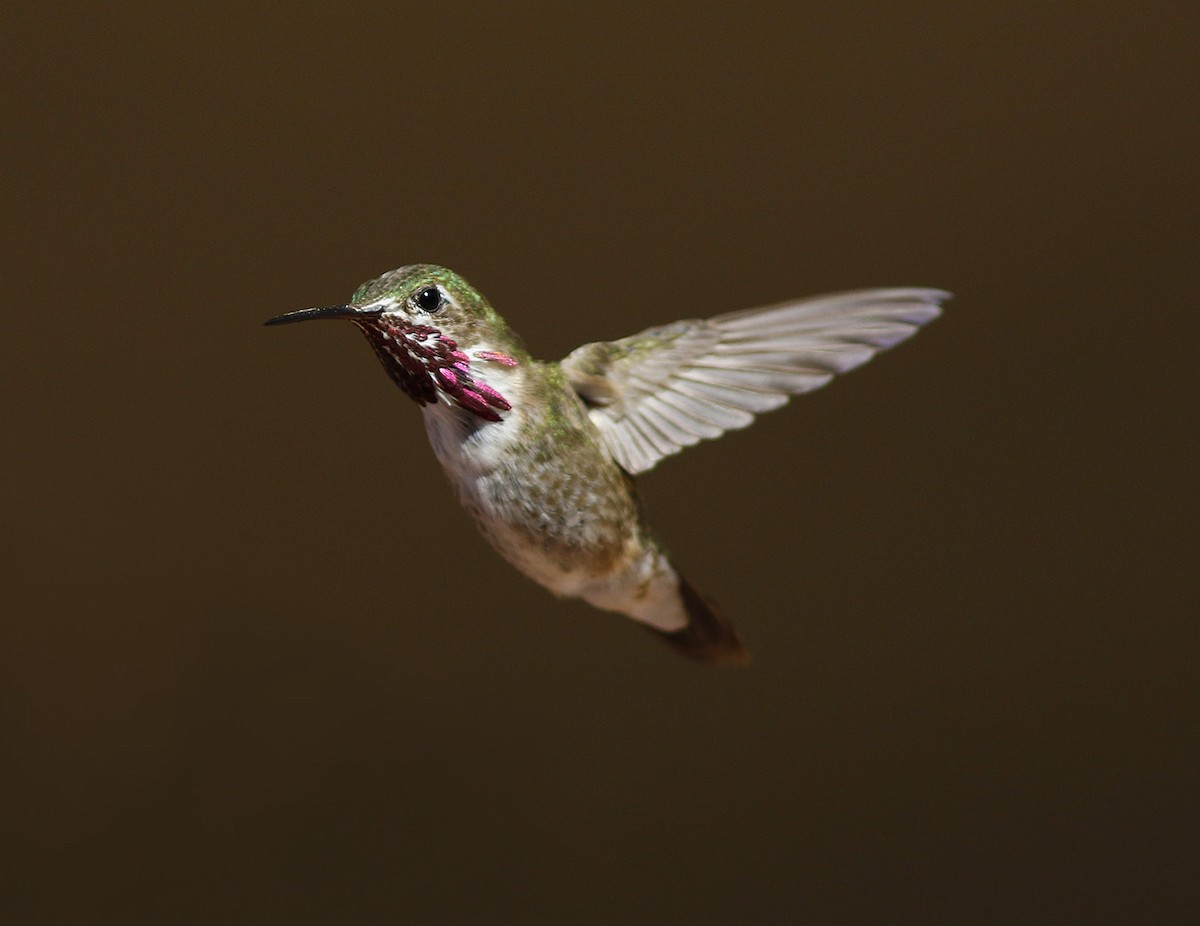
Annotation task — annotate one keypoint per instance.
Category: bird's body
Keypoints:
(551, 500)
(541, 455)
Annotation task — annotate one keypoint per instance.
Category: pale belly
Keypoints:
(550, 501)
(561, 531)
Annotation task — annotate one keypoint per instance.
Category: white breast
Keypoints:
(469, 446)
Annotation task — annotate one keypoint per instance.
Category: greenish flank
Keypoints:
(562, 430)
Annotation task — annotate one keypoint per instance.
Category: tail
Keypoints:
(708, 637)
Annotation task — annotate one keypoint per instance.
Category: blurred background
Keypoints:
(255, 663)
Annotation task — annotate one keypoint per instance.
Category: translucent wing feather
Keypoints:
(657, 392)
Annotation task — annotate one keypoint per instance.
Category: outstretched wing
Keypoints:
(657, 392)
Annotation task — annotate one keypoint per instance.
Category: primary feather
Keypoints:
(652, 394)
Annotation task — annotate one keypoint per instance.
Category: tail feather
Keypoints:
(708, 637)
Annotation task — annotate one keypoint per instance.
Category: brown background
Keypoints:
(257, 666)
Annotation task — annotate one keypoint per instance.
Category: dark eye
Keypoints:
(429, 299)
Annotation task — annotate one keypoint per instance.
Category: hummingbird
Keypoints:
(542, 455)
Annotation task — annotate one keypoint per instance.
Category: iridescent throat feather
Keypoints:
(424, 362)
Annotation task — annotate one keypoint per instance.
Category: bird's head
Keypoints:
(434, 334)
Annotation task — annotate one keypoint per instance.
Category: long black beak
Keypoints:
(332, 311)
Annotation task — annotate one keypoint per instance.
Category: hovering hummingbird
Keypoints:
(542, 454)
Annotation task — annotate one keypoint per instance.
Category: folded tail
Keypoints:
(708, 637)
